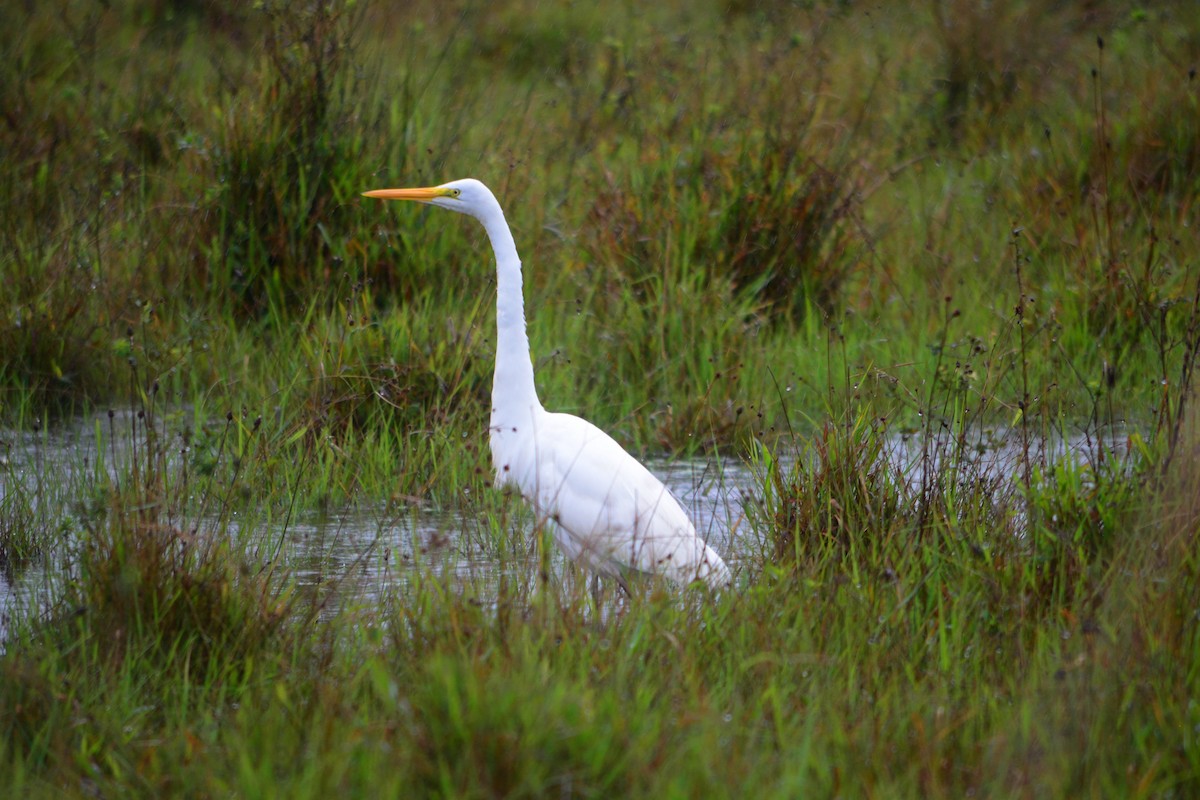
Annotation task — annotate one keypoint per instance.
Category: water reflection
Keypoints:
(361, 551)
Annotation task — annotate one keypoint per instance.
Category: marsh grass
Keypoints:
(21, 537)
(644, 181)
(175, 663)
(896, 259)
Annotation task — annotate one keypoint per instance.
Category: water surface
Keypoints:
(361, 550)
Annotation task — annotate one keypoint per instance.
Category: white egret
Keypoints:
(606, 511)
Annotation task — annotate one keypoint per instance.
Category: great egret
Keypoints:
(605, 509)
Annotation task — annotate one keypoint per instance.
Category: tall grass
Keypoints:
(898, 258)
(774, 182)
(1035, 646)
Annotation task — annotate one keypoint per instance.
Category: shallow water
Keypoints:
(361, 550)
(368, 551)
(358, 551)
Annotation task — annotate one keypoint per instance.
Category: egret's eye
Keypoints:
(455, 192)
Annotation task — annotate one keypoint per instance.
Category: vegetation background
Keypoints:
(852, 245)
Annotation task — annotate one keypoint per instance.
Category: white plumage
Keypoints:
(607, 511)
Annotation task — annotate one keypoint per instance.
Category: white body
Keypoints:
(607, 511)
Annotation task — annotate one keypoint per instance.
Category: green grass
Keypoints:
(793, 234)
(891, 642)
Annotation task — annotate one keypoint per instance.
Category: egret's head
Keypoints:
(467, 196)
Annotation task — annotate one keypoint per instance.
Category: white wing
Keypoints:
(609, 511)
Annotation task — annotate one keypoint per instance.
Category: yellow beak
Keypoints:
(420, 195)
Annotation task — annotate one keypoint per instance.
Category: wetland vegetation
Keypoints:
(856, 250)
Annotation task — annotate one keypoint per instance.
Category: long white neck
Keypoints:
(513, 393)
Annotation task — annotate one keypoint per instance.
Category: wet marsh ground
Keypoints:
(879, 264)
